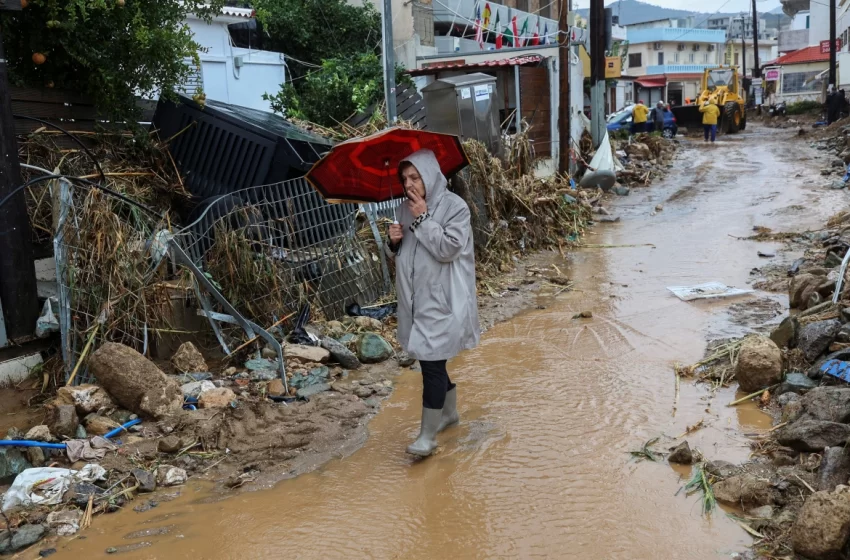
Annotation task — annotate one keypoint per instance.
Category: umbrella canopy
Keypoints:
(366, 169)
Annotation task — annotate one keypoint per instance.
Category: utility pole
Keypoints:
(832, 76)
(597, 71)
(564, 108)
(18, 292)
(389, 61)
(756, 67)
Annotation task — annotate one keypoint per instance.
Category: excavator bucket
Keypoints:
(688, 116)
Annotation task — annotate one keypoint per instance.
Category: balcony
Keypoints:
(678, 69)
(793, 40)
(676, 35)
(462, 12)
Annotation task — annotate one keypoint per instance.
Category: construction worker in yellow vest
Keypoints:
(710, 114)
(639, 114)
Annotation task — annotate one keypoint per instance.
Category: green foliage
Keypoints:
(111, 50)
(802, 107)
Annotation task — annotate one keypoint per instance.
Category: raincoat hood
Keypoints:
(428, 167)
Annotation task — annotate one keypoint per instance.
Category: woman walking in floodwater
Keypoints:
(435, 283)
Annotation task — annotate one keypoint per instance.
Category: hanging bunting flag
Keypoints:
(479, 32)
(498, 27)
(535, 39)
(544, 40)
(517, 42)
(487, 14)
(523, 33)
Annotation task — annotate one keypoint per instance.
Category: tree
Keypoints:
(113, 50)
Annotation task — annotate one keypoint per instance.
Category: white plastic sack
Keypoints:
(48, 322)
(47, 485)
(601, 171)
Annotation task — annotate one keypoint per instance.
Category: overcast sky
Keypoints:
(707, 6)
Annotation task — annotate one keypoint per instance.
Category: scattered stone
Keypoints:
(822, 526)
(759, 364)
(135, 382)
(812, 435)
(46, 552)
(40, 433)
(659, 208)
(722, 469)
(796, 383)
(269, 353)
(194, 389)
(834, 468)
(798, 285)
(79, 492)
(342, 355)
(814, 338)
(146, 480)
(369, 323)
(170, 444)
(86, 398)
(792, 407)
(264, 375)
(97, 425)
(373, 349)
(681, 454)
(258, 364)
(766, 254)
(171, 476)
(843, 334)
(404, 359)
(188, 358)
(828, 403)
(65, 523)
(62, 420)
(785, 335)
(302, 379)
(220, 397)
(147, 506)
(81, 432)
(372, 402)
(621, 191)
(312, 390)
(364, 392)
(26, 536)
(763, 512)
(35, 455)
(306, 354)
(12, 462)
(745, 489)
(275, 387)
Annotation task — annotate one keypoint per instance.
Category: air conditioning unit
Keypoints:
(711, 48)
(696, 47)
(657, 46)
(680, 47)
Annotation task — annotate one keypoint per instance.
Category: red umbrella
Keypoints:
(366, 169)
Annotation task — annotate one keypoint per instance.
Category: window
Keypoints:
(799, 82)
(705, 57)
(807, 22)
(691, 58)
(661, 59)
(676, 57)
(635, 60)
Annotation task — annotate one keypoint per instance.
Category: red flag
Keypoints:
(498, 27)
(517, 40)
(535, 39)
(479, 32)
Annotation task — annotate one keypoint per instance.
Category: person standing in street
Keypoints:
(639, 113)
(658, 116)
(435, 284)
(710, 114)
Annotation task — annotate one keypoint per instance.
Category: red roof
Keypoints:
(462, 65)
(653, 82)
(802, 56)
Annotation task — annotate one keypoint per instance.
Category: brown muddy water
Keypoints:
(550, 405)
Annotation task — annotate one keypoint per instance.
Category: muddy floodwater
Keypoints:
(550, 405)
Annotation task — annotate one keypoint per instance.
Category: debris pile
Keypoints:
(645, 158)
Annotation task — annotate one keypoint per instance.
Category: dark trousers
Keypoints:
(637, 128)
(435, 383)
(710, 129)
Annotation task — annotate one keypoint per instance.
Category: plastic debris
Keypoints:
(837, 368)
(46, 485)
(380, 312)
(705, 291)
(48, 322)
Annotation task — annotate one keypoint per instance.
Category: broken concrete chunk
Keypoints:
(86, 398)
(135, 382)
(171, 476)
(188, 359)
(194, 389)
(759, 364)
(65, 523)
(220, 397)
(62, 420)
(306, 354)
(40, 433)
(97, 425)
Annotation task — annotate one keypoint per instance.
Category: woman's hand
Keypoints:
(396, 233)
(416, 204)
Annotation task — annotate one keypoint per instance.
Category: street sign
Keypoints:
(824, 46)
(756, 81)
(771, 75)
(757, 93)
(613, 67)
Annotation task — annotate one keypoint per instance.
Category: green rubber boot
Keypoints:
(450, 415)
(426, 443)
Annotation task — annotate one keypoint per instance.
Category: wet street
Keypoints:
(550, 405)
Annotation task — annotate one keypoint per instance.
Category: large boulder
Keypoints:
(188, 359)
(812, 435)
(342, 355)
(373, 349)
(822, 526)
(745, 490)
(306, 354)
(831, 404)
(86, 398)
(135, 382)
(814, 338)
(62, 420)
(759, 364)
(798, 285)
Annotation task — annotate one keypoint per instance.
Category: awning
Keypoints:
(651, 82)
(452, 65)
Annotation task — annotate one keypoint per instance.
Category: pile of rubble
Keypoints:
(140, 429)
(645, 159)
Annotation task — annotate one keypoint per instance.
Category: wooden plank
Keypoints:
(49, 111)
(48, 95)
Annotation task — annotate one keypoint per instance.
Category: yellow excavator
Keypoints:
(721, 87)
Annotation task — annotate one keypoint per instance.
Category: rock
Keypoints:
(404, 359)
(621, 191)
(86, 398)
(843, 334)
(40, 433)
(822, 526)
(170, 476)
(97, 425)
(812, 435)
(369, 323)
(220, 397)
(659, 208)
(681, 454)
(81, 433)
(638, 151)
(65, 523)
(12, 462)
(814, 338)
(269, 353)
(258, 364)
(342, 355)
(62, 420)
(275, 387)
(759, 364)
(796, 383)
(745, 489)
(26, 536)
(78, 493)
(798, 285)
(135, 382)
(146, 480)
(170, 444)
(312, 390)
(308, 378)
(194, 389)
(306, 354)
(834, 468)
(35, 455)
(831, 404)
(334, 329)
(785, 335)
(364, 392)
(763, 512)
(373, 349)
(264, 375)
(188, 359)
(792, 410)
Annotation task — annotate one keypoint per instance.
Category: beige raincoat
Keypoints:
(435, 272)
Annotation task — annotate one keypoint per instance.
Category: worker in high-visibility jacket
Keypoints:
(639, 114)
(710, 114)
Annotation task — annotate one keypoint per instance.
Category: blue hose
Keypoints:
(29, 443)
(117, 431)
